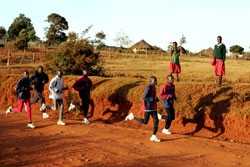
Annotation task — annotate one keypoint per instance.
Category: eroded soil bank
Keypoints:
(204, 110)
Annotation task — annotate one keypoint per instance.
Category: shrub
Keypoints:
(72, 56)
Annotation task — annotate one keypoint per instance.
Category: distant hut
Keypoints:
(207, 52)
(141, 46)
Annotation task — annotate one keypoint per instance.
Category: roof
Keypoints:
(141, 45)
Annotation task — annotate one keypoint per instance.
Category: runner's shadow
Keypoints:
(74, 97)
(217, 109)
(119, 98)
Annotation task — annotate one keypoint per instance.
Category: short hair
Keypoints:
(84, 72)
(40, 67)
(59, 71)
(170, 76)
(26, 72)
(153, 79)
(175, 42)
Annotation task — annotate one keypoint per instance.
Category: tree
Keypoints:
(99, 37)
(183, 40)
(170, 45)
(2, 32)
(122, 39)
(72, 36)
(236, 49)
(54, 33)
(21, 42)
(100, 45)
(21, 31)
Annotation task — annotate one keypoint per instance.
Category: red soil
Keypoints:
(216, 132)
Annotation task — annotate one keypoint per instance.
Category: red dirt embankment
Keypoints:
(204, 110)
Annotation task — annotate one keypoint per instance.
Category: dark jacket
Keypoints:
(23, 88)
(39, 80)
(149, 99)
(167, 94)
(83, 85)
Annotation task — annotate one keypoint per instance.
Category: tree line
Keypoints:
(21, 31)
(73, 52)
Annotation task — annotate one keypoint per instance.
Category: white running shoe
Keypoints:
(129, 117)
(154, 138)
(60, 123)
(45, 115)
(43, 107)
(85, 121)
(71, 107)
(30, 125)
(159, 116)
(9, 110)
(166, 131)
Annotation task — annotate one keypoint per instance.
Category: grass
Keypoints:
(129, 75)
(197, 82)
(194, 69)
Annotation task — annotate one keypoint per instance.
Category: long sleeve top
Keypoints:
(56, 88)
(149, 99)
(167, 95)
(83, 85)
(39, 80)
(220, 51)
(23, 88)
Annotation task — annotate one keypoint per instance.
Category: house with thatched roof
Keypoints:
(141, 46)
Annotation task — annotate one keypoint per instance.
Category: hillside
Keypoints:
(204, 110)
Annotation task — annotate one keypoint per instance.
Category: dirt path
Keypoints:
(99, 144)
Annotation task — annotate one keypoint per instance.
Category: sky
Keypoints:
(158, 22)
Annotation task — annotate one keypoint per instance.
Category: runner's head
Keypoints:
(170, 79)
(26, 74)
(153, 80)
(40, 69)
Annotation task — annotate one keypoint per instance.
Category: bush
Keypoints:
(72, 56)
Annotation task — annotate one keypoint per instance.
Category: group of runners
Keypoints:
(37, 81)
(83, 85)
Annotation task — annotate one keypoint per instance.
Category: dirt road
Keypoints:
(100, 144)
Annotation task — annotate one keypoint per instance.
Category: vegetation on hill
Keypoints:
(73, 56)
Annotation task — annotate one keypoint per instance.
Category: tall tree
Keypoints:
(183, 40)
(20, 26)
(54, 33)
(2, 32)
(122, 39)
(99, 37)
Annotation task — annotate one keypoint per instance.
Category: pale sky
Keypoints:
(158, 22)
